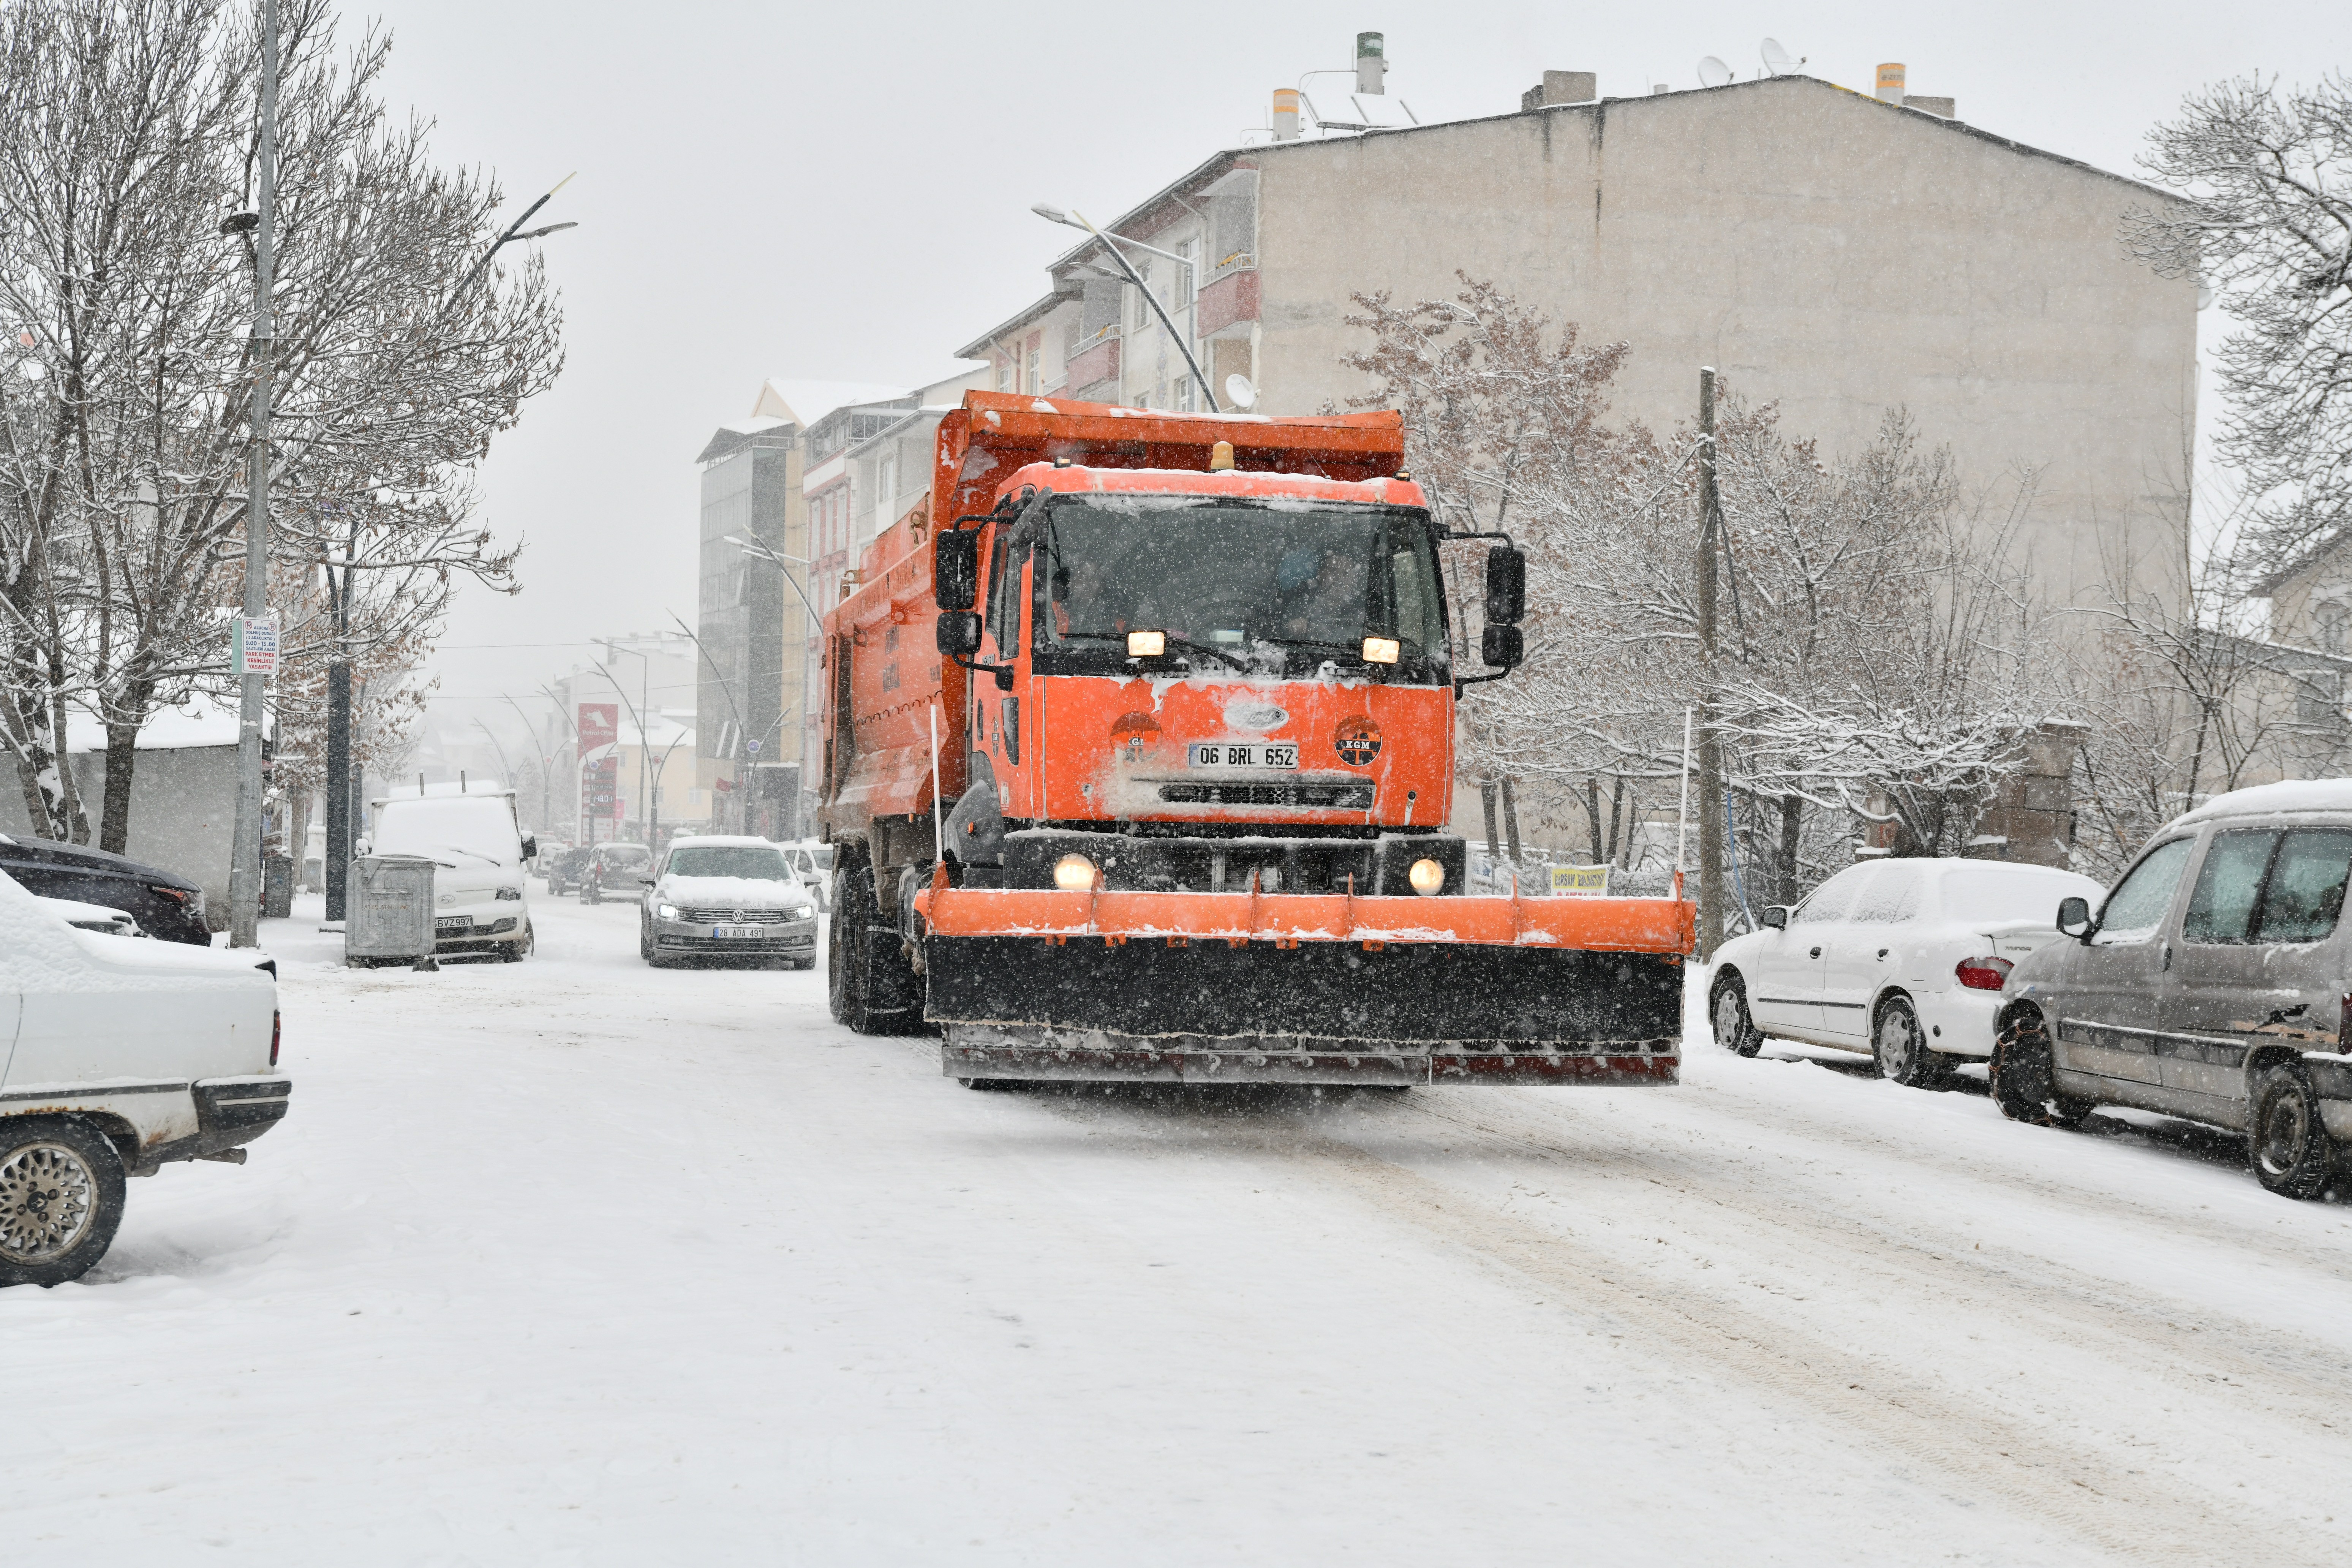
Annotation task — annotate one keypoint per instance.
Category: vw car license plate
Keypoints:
(753, 932)
(1278, 754)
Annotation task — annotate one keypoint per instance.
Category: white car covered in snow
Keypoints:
(719, 897)
(1904, 959)
(117, 1055)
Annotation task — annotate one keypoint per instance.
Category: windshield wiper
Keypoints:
(476, 854)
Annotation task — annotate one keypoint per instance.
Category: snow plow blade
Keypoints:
(1305, 988)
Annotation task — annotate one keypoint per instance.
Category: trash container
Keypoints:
(277, 886)
(389, 917)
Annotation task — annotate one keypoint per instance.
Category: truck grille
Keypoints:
(1329, 797)
(696, 914)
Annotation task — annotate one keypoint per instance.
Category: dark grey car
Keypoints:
(2212, 984)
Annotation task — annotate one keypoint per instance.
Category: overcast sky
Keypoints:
(842, 191)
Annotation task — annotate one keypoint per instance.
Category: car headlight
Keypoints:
(509, 892)
(666, 911)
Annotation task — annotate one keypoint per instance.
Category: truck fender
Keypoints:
(976, 825)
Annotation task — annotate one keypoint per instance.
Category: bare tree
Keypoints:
(2267, 225)
(127, 132)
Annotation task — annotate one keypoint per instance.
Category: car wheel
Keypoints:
(987, 1085)
(1900, 1048)
(2286, 1142)
(2025, 1076)
(60, 1199)
(1735, 1031)
(645, 942)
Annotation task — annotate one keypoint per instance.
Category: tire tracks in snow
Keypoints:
(2297, 1378)
(1925, 1430)
(1950, 1445)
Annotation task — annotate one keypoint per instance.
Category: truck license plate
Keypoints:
(724, 931)
(1281, 755)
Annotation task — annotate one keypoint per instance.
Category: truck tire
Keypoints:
(2287, 1143)
(873, 988)
(60, 1199)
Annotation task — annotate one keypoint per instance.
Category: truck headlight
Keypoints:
(1146, 644)
(1074, 874)
(1427, 877)
(1383, 650)
(666, 911)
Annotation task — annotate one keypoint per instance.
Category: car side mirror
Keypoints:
(1502, 646)
(361, 847)
(644, 881)
(2074, 918)
(1775, 917)
(955, 572)
(1506, 587)
(959, 630)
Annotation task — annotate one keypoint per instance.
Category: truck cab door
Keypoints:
(997, 720)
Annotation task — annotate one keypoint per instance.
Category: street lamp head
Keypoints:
(1052, 213)
(543, 233)
(240, 223)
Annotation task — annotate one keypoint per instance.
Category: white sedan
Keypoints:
(1902, 959)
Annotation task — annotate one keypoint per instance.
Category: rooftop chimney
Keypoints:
(1371, 63)
(1561, 87)
(1890, 82)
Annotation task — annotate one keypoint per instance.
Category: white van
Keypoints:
(471, 833)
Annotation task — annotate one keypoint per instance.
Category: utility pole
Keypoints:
(341, 830)
(245, 858)
(1710, 740)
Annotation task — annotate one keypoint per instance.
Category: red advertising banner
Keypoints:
(600, 725)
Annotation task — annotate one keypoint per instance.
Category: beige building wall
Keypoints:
(1820, 249)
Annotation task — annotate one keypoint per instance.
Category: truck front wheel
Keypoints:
(872, 986)
(60, 1199)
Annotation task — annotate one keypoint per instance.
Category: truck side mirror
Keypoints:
(1775, 917)
(955, 572)
(530, 846)
(959, 630)
(1506, 588)
(2074, 918)
(1502, 646)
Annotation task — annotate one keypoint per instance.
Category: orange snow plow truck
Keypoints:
(1139, 755)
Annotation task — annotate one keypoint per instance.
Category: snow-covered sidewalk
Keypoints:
(576, 1261)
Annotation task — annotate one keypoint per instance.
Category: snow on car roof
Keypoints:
(723, 840)
(2268, 800)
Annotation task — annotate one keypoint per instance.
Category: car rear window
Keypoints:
(824, 853)
(2305, 892)
(1989, 896)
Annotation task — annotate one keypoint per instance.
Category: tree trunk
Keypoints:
(121, 762)
(1792, 819)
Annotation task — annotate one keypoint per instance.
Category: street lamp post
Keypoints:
(245, 847)
(760, 550)
(644, 679)
(1074, 219)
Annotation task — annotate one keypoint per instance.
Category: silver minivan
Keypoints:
(2212, 984)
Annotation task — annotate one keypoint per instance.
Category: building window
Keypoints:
(1183, 400)
(886, 490)
(1004, 375)
(1143, 306)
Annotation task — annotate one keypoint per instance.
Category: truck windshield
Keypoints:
(1266, 588)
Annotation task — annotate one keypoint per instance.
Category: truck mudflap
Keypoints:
(1304, 988)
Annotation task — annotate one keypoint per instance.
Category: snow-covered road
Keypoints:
(573, 1261)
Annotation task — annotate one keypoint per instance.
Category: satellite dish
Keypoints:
(2204, 297)
(1775, 58)
(1713, 72)
(1240, 392)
